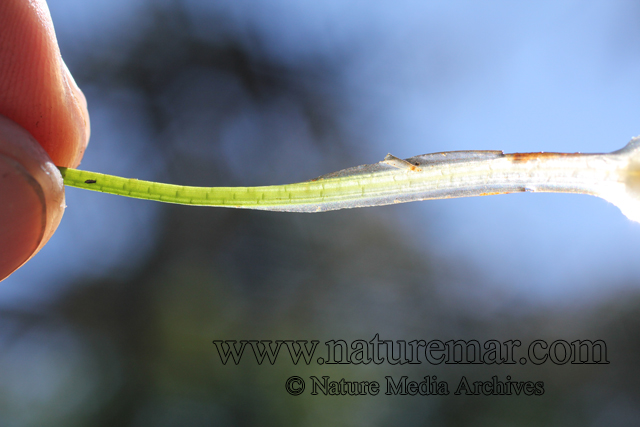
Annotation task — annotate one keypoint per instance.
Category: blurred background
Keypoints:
(112, 323)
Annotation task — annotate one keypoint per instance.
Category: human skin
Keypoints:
(43, 123)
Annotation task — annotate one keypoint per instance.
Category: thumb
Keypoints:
(31, 196)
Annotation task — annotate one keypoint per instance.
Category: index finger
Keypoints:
(36, 89)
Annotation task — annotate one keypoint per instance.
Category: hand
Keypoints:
(43, 123)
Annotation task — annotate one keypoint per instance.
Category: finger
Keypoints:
(36, 89)
(31, 197)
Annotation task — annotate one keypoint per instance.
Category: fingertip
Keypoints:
(37, 90)
(78, 115)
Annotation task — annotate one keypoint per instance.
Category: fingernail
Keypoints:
(23, 215)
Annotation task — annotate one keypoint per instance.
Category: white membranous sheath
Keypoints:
(614, 177)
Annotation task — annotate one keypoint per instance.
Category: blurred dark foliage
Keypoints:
(144, 343)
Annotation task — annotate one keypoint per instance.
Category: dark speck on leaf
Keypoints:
(90, 181)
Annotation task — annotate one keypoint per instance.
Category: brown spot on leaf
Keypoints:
(527, 157)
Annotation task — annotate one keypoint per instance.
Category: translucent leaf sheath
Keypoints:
(431, 176)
